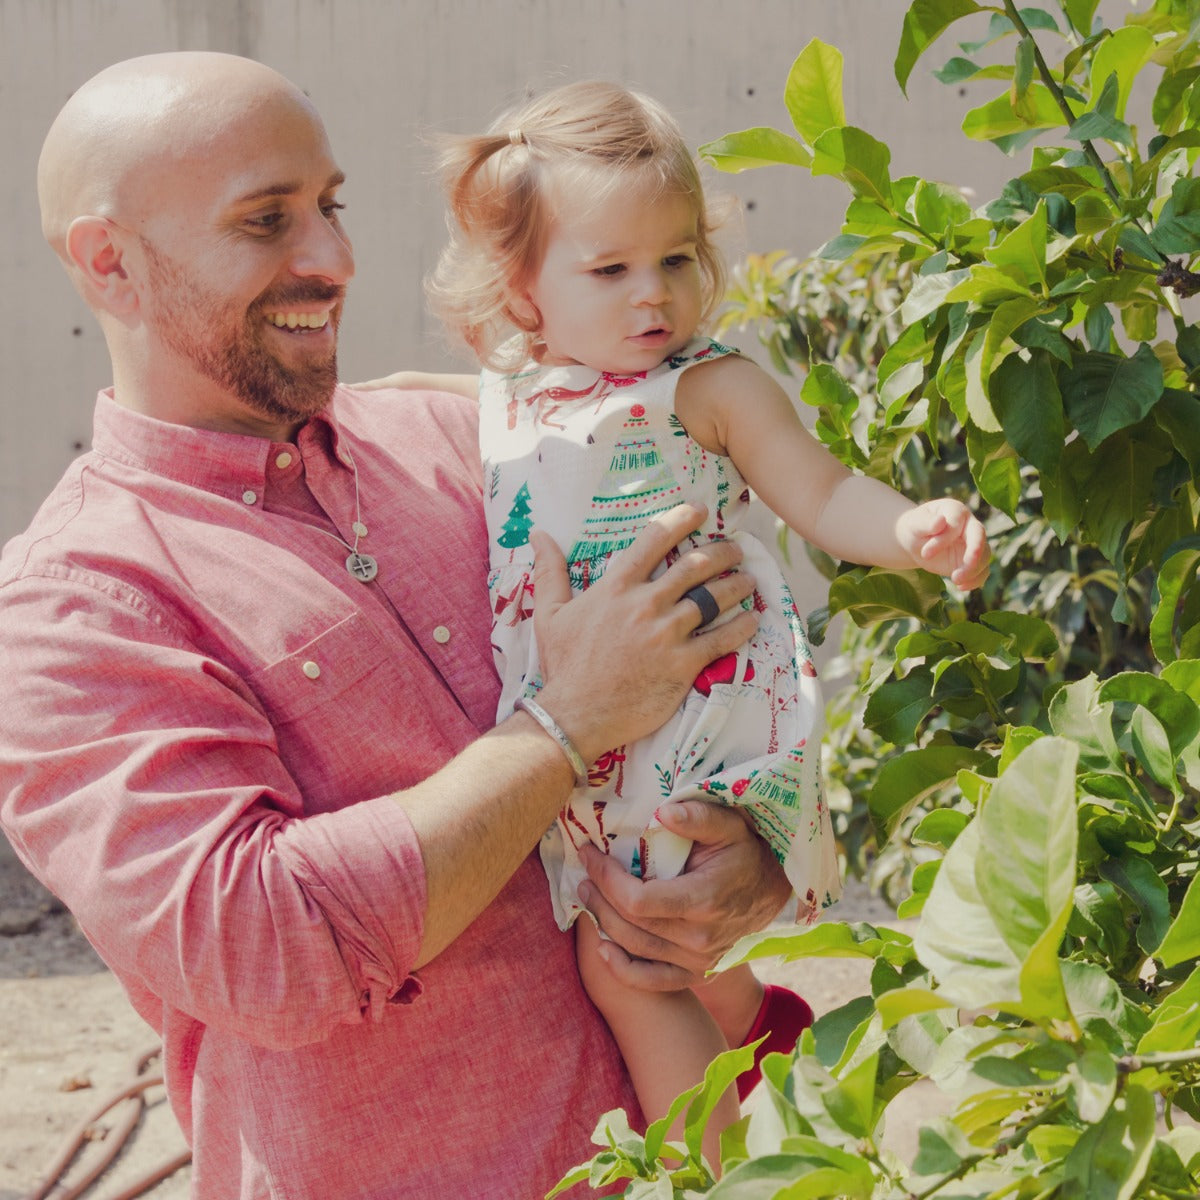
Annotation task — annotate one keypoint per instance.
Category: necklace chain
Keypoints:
(362, 566)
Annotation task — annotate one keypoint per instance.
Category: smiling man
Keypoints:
(249, 692)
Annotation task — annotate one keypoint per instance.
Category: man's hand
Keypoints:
(667, 932)
(619, 658)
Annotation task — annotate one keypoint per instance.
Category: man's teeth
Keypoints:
(298, 320)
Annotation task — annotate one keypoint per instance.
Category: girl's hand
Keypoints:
(945, 537)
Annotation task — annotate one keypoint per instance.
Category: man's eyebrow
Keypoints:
(288, 189)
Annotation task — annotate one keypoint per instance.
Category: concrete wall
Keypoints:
(385, 73)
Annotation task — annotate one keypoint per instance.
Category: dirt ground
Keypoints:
(69, 1040)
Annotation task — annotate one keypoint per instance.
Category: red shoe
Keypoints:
(783, 1017)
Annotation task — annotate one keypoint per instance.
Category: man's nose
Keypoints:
(323, 249)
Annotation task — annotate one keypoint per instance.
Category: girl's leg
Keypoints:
(666, 1038)
(745, 1011)
(733, 999)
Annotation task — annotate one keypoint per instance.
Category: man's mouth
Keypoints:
(297, 320)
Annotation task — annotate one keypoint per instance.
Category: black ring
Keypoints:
(703, 599)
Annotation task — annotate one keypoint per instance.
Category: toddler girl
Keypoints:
(580, 270)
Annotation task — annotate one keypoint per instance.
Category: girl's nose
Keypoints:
(651, 288)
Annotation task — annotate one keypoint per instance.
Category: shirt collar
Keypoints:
(225, 463)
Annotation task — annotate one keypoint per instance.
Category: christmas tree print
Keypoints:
(638, 485)
(516, 528)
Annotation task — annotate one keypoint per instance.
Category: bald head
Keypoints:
(135, 122)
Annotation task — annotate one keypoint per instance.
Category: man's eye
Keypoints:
(609, 271)
(331, 209)
(265, 222)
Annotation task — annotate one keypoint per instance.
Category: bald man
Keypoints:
(249, 691)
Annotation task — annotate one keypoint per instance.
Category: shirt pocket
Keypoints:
(356, 716)
(320, 672)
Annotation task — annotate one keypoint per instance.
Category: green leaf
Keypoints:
(1176, 1022)
(901, 1003)
(937, 208)
(924, 23)
(1025, 867)
(1120, 489)
(1137, 879)
(832, 939)
(1178, 415)
(928, 293)
(996, 912)
(1029, 637)
(760, 147)
(995, 468)
(1022, 70)
(855, 156)
(1182, 940)
(879, 595)
(1111, 1157)
(808, 1170)
(997, 119)
(813, 93)
(1177, 711)
(719, 1076)
(1029, 406)
(958, 940)
(1177, 230)
(1106, 392)
(1120, 58)
(896, 709)
(1092, 1082)
(1175, 582)
(1077, 714)
(903, 781)
(938, 828)
(1080, 14)
(959, 70)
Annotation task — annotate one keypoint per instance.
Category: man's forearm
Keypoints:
(478, 818)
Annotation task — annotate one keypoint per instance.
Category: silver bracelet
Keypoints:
(556, 731)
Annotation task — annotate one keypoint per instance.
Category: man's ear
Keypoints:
(95, 249)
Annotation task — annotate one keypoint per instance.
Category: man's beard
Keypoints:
(241, 363)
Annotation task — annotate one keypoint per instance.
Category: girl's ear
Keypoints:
(95, 251)
(524, 312)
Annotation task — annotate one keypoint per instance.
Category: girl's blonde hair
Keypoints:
(496, 185)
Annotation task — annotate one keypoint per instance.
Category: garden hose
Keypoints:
(115, 1140)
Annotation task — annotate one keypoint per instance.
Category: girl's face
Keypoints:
(619, 288)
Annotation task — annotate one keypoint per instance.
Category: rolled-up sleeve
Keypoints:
(142, 781)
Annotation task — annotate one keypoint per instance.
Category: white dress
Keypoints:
(589, 458)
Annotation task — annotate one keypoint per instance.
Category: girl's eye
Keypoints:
(609, 271)
(677, 260)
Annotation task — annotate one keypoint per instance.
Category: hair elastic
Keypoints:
(516, 137)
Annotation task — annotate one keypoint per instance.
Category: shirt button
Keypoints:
(441, 635)
(311, 669)
(249, 497)
(283, 460)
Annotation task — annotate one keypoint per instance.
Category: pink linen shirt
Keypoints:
(204, 715)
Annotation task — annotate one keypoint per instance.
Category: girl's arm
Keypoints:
(424, 381)
(731, 406)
